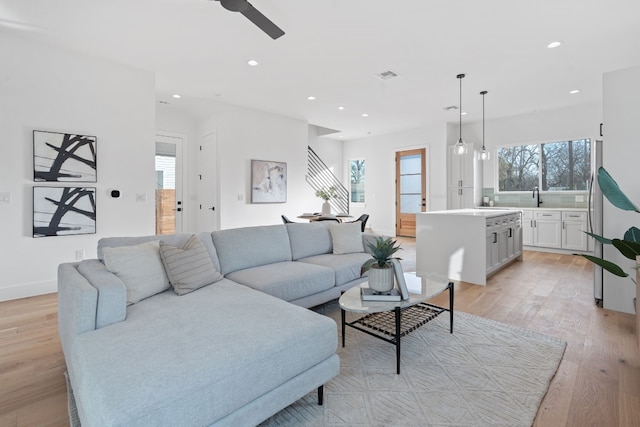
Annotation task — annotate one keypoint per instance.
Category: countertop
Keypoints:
(530, 208)
(487, 213)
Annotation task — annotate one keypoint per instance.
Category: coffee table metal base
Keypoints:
(392, 325)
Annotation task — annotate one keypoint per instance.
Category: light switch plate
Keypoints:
(579, 199)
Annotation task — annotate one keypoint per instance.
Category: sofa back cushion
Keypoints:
(246, 247)
(178, 240)
(188, 267)
(140, 269)
(309, 239)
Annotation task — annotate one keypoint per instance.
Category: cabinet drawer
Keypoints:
(574, 216)
(547, 215)
(527, 214)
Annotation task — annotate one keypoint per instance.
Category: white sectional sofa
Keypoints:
(231, 352)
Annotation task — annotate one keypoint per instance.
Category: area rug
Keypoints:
(485, 373)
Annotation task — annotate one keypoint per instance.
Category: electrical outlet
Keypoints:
(5, 198)
(79, 254)
(141, 197)
(240, 197)
(496, 198)
(579, 199)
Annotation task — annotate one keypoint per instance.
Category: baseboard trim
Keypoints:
(26, 290)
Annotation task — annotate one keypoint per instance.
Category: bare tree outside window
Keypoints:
(357, 181)
(517, 168)
(555, 166)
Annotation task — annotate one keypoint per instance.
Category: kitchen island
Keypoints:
(468, 244)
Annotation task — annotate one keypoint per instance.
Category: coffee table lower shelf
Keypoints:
(392, 325)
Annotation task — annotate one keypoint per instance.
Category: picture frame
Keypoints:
(64, 157)
(402, 285)
(268, 181)
(62, 211)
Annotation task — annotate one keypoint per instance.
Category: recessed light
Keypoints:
(176, 96)
(252, 62)
(554, 44)
(574, 91)
(341, 108)
(365, 115)
(311, 98)
(464, 113)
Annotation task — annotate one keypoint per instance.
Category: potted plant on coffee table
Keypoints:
(379, 266)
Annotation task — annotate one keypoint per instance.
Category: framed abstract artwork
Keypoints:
(268, 181)
(64, 157)
(61, 211)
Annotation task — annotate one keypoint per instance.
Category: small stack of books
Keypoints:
(368, 295)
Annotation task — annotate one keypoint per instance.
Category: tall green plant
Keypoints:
(629, 245)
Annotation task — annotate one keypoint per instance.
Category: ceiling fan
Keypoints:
(254, 15)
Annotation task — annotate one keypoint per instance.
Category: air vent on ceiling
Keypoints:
(450, 108)
(386, 75)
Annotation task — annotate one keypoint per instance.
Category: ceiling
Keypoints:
(333, 50)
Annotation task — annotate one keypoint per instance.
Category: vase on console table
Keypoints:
(326, 208)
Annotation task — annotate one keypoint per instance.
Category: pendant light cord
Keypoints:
(460, 77)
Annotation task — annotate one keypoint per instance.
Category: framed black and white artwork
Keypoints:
(64, 157)
(61, 211)
(268, 182)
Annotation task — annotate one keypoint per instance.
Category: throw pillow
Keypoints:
(190, 267)
(347, 237)
(140, 269)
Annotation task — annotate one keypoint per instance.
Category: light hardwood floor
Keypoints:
(597, 383)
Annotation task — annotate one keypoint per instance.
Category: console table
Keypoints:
(392, 320)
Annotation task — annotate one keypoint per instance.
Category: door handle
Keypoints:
(495, 237)
(213, 208)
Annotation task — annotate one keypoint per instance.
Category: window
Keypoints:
(552, 166)
(357, 180)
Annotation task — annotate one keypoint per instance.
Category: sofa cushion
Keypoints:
(308, 239)
(347, 238)
(140, 268)
(190, 267)
(164, 366)
(346, 266)
(177, 240)
(246, 247)
(286, 280)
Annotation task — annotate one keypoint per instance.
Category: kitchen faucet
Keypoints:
(537, 190)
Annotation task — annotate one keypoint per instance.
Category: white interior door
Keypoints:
(209, 218)
(168, 197)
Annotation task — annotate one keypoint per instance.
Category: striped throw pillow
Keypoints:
(188, 268)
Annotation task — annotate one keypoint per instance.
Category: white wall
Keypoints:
(379, 154)
(621, 154)
(49, 89)
(244, 134)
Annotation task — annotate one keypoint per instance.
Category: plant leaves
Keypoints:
(626, 248)
(600, 239)
(632, 235)
(607, 265)
(613, 193)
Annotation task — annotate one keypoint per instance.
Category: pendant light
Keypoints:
(484, 154)
(460, 148)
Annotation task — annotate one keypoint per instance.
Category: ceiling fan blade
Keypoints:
(262, 22)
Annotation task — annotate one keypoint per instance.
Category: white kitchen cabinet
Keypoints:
(574, 225)
(527, 228)
(461, 197)
(547, 229)
(464, 174)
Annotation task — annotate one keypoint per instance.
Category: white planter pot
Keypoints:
(381, 279)
(326, 208)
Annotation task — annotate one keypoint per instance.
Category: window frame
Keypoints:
(352, 203)
(496, 172)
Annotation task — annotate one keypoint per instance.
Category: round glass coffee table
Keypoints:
(392, 320)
